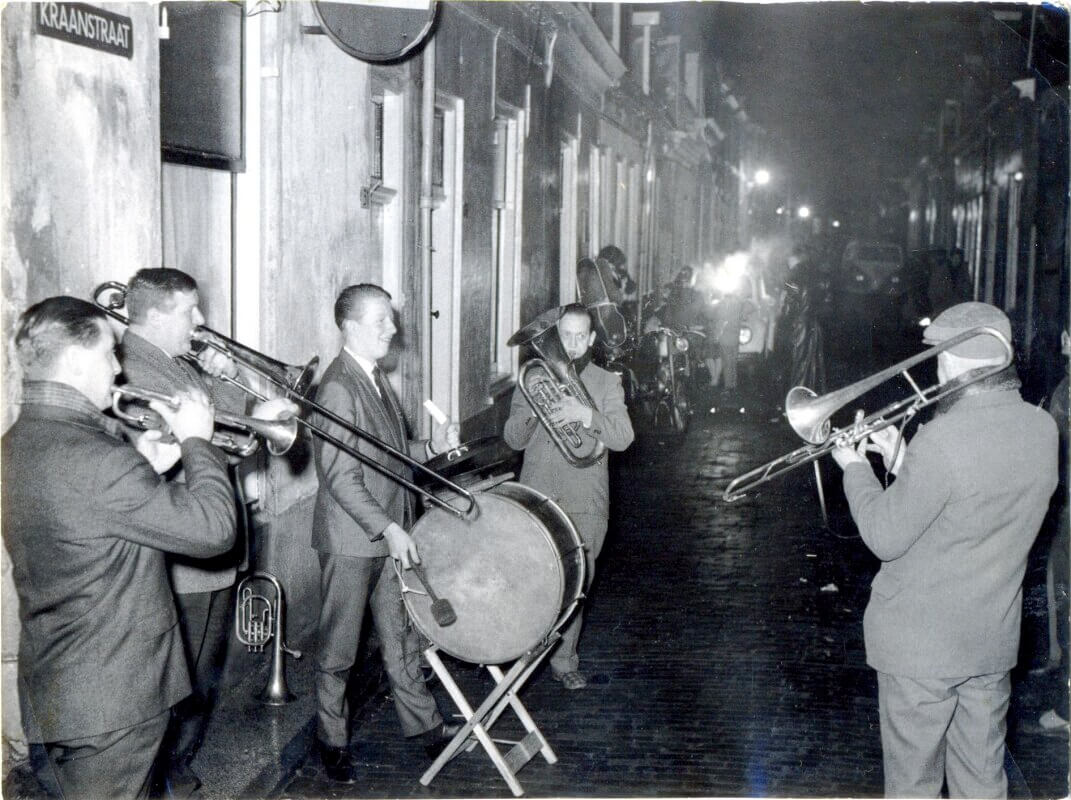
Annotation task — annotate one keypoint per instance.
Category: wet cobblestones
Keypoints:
(723, 645)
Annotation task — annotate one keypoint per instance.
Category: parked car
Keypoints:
(872, 268)
(759, 321)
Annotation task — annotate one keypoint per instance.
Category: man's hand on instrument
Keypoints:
(445, 437)
(216, 364)
(571, 410)
(885, 442)
(402, 547)
(846, 454)
(195, 416)
(161, 455)
(850, 455)
(276, 408)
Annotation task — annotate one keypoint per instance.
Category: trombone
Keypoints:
(809, 414)
(279, 434)
(295, 381)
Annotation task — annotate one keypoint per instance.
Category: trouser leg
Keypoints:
(592, 530)
(205, 619)
(914, 716)
(344, 583)
(416, 707)
(118, 764)
(975, 753)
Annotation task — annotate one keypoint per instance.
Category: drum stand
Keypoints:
(479, 721)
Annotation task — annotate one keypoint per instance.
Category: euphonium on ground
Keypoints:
(548, 377)
(809, 414)
(279, 434)
(259, 619)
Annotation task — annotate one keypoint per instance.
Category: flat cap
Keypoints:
(964, 316)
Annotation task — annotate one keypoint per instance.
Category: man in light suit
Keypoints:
(583, 493)
(953, 532)
(361, 517)
(87, 521)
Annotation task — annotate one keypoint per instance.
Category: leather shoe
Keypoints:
(338, 763)
(436, 740)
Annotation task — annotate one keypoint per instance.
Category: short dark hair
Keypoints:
(48, 328)
(614, 254)
(155, 288)
(580, 310)
(349, 302)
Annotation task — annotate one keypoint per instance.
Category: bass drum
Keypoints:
(513, 574)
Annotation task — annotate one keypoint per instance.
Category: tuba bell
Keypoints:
(257, 620)
(548, 377)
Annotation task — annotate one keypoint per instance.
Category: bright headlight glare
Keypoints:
(682, 344)
(745, 334)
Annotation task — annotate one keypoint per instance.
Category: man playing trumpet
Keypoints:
(953, 532)
(86, 521)
(164, 309)
(582, 492)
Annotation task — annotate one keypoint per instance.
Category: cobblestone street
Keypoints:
(723, 645)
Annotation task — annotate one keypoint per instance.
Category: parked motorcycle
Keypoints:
(660, 368)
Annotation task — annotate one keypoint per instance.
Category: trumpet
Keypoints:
(257, 620)
(295, 382)
(544, 380)
(279, 434)
(809, 414)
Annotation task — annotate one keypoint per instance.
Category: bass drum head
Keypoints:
(503, 573)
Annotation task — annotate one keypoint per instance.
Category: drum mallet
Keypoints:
(441, 610)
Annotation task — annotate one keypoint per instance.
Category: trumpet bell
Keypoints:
(809, 419)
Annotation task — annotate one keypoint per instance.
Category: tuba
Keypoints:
(548, 377)
(598, 292)
(257, 620)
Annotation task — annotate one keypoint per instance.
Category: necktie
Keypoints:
(387, 396)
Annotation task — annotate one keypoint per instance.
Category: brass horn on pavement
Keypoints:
(259, 619)
(809, 414)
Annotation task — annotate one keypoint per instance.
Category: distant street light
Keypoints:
(762, 177)
(836, 223)
(804, 212)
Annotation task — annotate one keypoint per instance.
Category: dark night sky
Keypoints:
(846, 88)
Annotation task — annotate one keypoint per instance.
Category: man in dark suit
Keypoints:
(953, 532)
(583, 493)
(86, 521)
(361, 517)
(164, 309)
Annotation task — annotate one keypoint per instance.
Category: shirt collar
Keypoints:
(365, 364)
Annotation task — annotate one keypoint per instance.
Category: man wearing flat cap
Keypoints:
(952, 531)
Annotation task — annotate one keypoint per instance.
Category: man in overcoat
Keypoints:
(361, 517)
(164, 310)
(86, 522)
(582, 492)
(953, 531)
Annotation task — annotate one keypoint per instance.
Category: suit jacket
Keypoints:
(147, 366)
(86, 522)
(953, 532)
(577, 490)
(355, 503)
